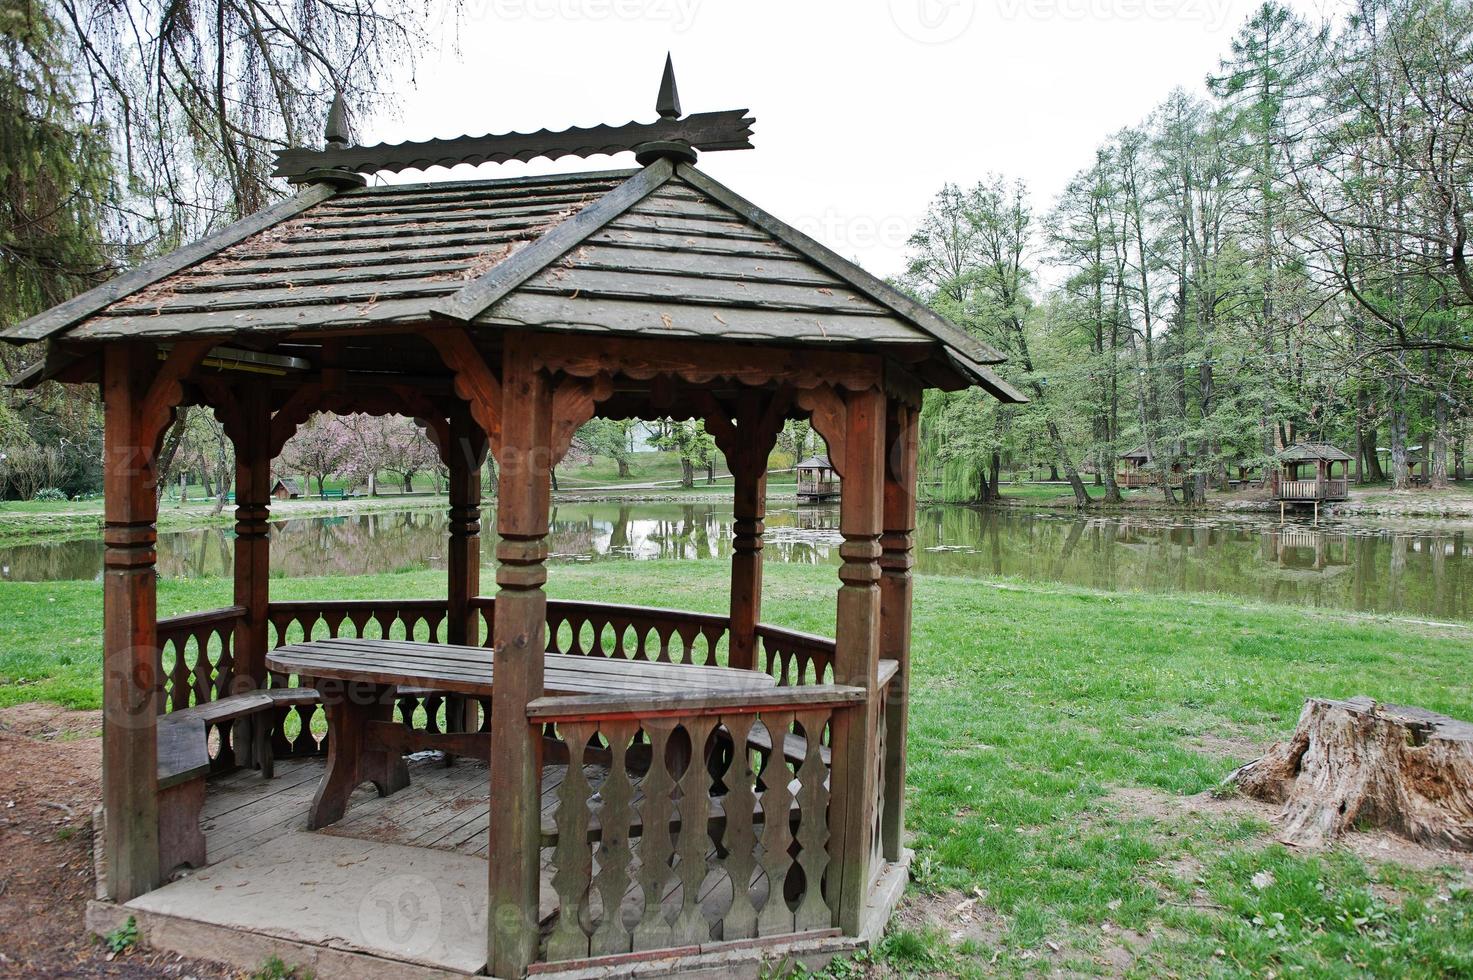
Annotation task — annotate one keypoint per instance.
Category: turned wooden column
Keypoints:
(897, 559)
(856, 657)
(749, 507)
(252, 441)
(251, 435)
(129, 635)
(465, 454)
(520, 641)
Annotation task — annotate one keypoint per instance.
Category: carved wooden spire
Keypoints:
(337, 134)
(667, 103)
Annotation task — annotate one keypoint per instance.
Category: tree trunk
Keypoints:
(1356, 762)
(687, 474)
(1438, 477)
(623, 468)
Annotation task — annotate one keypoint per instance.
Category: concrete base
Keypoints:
(413, 904)
(348, 909)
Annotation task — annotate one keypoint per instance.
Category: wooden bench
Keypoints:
(332, 495)
(184, 762)
(248, 705)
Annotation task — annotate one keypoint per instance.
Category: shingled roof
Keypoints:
(1309, 451)
(663, 250)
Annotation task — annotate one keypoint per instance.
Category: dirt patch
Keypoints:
(48, 721)
(1236, 748)
(961, 917)
(49, 785)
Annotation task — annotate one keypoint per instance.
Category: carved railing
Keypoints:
(636, 633)
(196, 665)
(736, 787)
(795, 658)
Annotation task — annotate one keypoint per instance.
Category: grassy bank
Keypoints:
(1055, 733)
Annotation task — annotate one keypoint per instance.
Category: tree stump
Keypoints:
(1358, 763)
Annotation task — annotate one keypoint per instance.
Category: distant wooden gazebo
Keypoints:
(1136, 469)
(817, 480)
(503, 314)
(1292, 486)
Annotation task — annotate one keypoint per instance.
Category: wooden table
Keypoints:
(358, 679)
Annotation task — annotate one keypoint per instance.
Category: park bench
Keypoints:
(184, 762)
(332, 495)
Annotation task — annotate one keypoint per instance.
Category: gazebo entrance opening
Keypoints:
(652, 783)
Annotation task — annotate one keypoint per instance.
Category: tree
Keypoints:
(611, 439)
(689, 440)
(320, 448)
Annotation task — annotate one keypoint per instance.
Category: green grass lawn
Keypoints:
(1043, 719)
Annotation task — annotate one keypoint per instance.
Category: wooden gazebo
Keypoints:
(1291, 485)
(502, 315)
(1136, 469)
(817, 480)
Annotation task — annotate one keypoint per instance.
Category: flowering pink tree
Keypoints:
(390, 443)
(322, 447)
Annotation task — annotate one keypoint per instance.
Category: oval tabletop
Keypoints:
(469, 670)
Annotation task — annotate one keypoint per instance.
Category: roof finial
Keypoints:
(667, 103)
(337, 133)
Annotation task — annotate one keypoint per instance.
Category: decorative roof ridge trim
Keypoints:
(727, 129)
(480, 294)
(926, 319)
(494, 183)
(68, 314)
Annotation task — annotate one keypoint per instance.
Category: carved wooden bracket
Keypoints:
(475, 383)
(829, 418)
(298, 409)
(573, 402)
(167, 390)
(746, 442)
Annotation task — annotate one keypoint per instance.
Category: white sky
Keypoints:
(863, 109)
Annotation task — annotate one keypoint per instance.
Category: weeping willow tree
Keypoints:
(961, 446)
(58, 236)
(56, 173)
(199, 93)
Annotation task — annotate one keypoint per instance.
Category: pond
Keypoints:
(1424, 571)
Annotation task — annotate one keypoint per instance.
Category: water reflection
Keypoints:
(1424, 571)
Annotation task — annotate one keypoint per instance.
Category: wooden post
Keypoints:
(856, 657)
(897, 559)
(520, 641)
(251, 435)
(465, 454)
(749, 507)
(130, 626)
